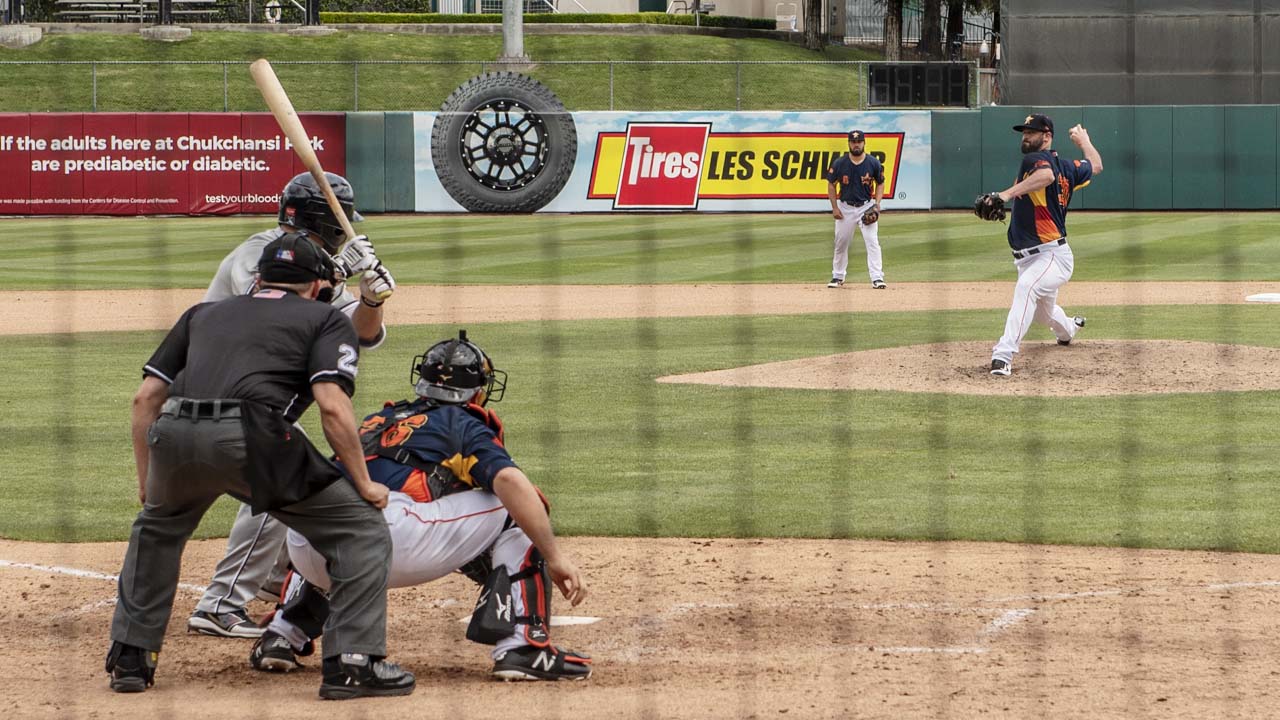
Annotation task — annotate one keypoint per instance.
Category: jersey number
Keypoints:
(347, 359)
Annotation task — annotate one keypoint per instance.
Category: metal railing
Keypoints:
(396, 85)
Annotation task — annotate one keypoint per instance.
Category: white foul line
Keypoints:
(84, 573)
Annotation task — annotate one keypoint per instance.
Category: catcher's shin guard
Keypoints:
(495, 616)
(306, 607)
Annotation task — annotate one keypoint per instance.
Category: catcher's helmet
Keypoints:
(457, 371)
(302, 206)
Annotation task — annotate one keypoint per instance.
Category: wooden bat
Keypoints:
(278, 102)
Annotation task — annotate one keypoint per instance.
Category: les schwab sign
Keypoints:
(674, 165)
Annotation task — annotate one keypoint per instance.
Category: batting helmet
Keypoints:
(303, 206)
(457, 371)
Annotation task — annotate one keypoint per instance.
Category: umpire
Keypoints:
(213, 415)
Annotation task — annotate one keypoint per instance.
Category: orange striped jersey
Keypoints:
(1041, 216)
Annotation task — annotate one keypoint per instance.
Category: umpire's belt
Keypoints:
(201, 409)
(1019, 254)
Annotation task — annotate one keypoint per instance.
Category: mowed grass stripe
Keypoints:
(94, 253)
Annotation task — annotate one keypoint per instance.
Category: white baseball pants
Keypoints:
(844, 235)
(431, 540)
(1036, 298)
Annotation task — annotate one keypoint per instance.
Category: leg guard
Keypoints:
(507, 601)
(305, 607)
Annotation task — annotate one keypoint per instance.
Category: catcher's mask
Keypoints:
(456, 371)
(302, 206)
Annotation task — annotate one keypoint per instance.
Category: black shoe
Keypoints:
(272, 653)
(835, 282)
(132, 669)
(1000, 367)
(1079, 321)
(548, 663)
(878, 284)
(352, 675)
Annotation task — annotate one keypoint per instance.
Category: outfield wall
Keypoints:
(1156, 158)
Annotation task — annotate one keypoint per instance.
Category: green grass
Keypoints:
(622, 455)
(90, 253)
(157, 88)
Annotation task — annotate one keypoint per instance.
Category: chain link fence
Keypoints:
(377, 85)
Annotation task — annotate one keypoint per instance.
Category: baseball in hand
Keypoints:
(1078, 134)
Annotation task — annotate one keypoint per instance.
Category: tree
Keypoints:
(813, 39)
(955, 23)
(893, 30)
(931, 29)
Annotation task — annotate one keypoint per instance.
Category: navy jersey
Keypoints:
(268, 347)
(1041, 216)
(404, 443)
(857, 181)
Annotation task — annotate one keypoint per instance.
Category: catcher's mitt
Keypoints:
(869, 217)
(989, 207)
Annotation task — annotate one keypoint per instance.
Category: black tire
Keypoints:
(503, 143)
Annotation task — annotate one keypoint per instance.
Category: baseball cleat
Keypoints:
(878, 284)
(234, 624)
(546, 663)
(352, 675)
(835, 282)
(272, 653)
(1079, 321)
(1000, 367)
(132, 669)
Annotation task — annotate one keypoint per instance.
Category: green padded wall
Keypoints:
(1111, 130)
(1200, 178)
(1153, 163)
(957, 141)
(400, 185)
(1251, 156)
(998, 147)
(366, 161)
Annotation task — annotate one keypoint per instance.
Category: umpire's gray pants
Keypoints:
(192, 463)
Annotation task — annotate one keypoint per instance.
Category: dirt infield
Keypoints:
(693, 628)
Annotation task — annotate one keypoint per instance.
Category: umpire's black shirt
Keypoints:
(268, 347)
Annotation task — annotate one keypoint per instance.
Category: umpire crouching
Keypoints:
(214, 415)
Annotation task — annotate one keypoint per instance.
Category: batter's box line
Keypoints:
(1115, 592)
(90, 574)
(998, 625)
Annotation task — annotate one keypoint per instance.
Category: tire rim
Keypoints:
(504, 144)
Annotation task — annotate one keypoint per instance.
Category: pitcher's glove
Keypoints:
(870, 217)
(989, 207)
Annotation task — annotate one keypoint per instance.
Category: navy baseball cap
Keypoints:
(1036, 121)
(857, 135)
(294, 258)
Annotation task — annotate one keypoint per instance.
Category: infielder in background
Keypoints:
(1038, 233)
(255, 547)
(458, 502)
(860, 178)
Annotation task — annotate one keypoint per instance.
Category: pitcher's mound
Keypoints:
(1083, 368)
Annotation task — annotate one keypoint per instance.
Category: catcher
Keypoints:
(457, 502)
(1038, 233)
(860, 180)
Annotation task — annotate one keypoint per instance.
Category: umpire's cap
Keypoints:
(1037, 122)
(294, 258)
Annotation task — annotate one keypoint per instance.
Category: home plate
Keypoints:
(1264, 297)
(558, 620)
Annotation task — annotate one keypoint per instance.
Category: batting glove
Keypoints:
(357, 256)
(376, 285)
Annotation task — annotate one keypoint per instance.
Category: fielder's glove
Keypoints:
(376, 285)
(356, 256)
(870, 217)
(989, 207)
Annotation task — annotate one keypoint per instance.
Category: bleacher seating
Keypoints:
(137, 11)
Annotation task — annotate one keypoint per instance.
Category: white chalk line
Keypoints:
(76, 572)
(1138, 590)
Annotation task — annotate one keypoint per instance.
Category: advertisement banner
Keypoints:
(711, 161)
(154, 163)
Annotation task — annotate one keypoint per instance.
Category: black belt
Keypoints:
(1019, 254)
(201, 409)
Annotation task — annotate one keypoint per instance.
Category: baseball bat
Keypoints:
(278, 102)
